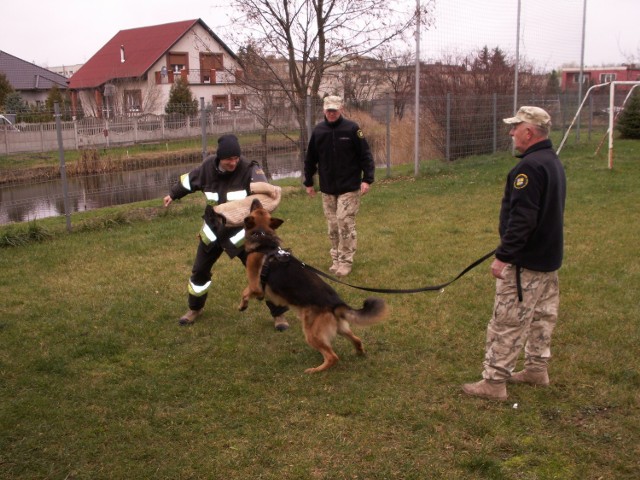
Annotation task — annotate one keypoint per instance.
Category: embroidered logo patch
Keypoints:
(360, 134)
(521, 181)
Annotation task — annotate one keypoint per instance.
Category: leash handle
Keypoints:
(410, 290)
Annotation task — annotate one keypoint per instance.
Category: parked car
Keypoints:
(7, 125)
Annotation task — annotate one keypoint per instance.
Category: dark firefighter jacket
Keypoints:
(219, 187)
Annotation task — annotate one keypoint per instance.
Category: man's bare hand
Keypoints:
(497, 266)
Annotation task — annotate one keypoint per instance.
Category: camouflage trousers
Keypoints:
(516, 324)
(340, 212)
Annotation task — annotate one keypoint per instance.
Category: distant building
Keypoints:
(596, 75)
(133, 73)
(32, 82)
(66, 70)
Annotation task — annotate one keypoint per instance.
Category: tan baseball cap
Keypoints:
(533, 115)
(332, 102)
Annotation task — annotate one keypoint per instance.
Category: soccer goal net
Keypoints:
(613, 111)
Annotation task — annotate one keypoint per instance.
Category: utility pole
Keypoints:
(416, 147)
(581, 78)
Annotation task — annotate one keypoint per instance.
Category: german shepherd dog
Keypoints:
(286, 281)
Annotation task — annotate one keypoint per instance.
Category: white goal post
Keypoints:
(612, 112)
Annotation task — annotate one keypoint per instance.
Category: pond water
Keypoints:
(27, 202)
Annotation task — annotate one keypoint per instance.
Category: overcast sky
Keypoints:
(66, 33)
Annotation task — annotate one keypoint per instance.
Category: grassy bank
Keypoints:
(22, 168)
(97, 380)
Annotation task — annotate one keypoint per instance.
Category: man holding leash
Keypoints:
(340, 155)
(527, 261)
(229, 183)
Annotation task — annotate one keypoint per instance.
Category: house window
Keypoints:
(177, 62)
(133, 101)
(607, 77)
(237, 102)
(208, 62)
(219, 102)
(576, 77)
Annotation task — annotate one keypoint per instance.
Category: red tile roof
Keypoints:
(142, 48)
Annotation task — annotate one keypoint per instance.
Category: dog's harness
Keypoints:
(272, 254)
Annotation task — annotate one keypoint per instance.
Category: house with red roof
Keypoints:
(133, 73)
(598, 75)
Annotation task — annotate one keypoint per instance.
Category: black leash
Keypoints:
(393, 290)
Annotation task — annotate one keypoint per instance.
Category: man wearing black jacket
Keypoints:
(340, 155)
(527, 261)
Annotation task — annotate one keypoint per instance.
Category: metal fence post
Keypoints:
(63, 169)
(448, 134)
(309, 128)
(388, 135)
(590, 115)
(203, 126)
(309, 118)
(563, 108)
(495, 122)
(6, 140)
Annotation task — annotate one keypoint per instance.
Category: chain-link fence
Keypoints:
(125, 160)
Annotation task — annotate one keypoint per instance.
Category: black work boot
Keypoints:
(190, 317)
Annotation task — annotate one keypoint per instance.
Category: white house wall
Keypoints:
(156, 96)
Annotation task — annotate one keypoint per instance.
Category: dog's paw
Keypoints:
(243, 305)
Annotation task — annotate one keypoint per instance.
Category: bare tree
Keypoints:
(262, 78)
(313, 36)
(461, 101)
(399, 76)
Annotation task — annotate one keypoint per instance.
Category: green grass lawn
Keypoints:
(98, 381)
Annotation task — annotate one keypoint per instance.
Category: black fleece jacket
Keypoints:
(532, 211)
(340, 155)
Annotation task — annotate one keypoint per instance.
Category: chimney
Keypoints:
(122, 59)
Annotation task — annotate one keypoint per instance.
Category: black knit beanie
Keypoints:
(228, 146)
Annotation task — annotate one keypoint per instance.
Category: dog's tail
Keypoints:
(373, 310)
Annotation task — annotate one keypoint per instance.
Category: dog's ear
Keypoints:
(275, 223)
(255, 205)
(249, 222)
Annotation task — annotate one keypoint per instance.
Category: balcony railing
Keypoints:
(198, 77)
